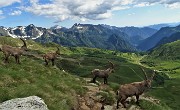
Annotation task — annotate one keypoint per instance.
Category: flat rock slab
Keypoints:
(28, 103)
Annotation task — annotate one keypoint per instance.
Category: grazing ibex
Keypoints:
(133, 89)
(13, 51)
(51, 56)
(102, 73)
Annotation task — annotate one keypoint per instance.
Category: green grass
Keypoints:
(59, 89)
(169, 93)
(147, 105)
(33, 78)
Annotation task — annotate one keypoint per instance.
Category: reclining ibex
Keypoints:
(13, 51)
(133, 89)
(102, 73)
(51, 56)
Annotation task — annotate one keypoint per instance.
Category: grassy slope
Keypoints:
(31, 77)
(84, 60)
(52, 84)
(167, 51)
(169, 64)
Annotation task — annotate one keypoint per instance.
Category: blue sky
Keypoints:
(47, 13)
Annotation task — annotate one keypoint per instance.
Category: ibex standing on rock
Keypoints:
(133, 89)
(13, 51)
(102, 73)
(51, 56)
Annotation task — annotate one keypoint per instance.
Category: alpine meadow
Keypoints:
(89, 55)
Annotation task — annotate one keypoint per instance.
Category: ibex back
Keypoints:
(51, 56)
(102, 73)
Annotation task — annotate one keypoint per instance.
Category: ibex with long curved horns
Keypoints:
(102, 73)
(51, 56)
(13, 51)
(133, 89)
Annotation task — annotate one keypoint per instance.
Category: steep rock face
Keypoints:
(28, 103)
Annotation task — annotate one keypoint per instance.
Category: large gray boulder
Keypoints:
(28, 103)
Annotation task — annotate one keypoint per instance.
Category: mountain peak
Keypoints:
(31, 25)
(56, 27)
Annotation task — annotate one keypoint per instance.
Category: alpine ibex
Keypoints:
(51, 56)
(13, 51)
(102, 73)
(133, 89)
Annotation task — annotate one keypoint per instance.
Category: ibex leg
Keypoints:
(17, 59)
(117, 103)
(105, 80)
(6, 58)
(94, 79)
(46, 61)
(137, 98)
(123, 101)
(52, 62)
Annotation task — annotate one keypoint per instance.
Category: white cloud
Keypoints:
(1, 12)
(16, 12)
(173, 6)
(89, 9)
(77, 9)
(4, 3)
(130, 14)
(167, 3)
(143, 4)
(1, 15)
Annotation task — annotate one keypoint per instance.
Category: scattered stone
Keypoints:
(84, 107)
(28, 103)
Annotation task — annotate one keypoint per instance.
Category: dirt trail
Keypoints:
(93, 99)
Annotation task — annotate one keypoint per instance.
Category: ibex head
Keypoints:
(148, 80)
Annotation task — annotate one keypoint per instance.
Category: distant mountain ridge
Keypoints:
(88, 35)
(152, 41)
(172, 38)
(29, 32)
(159, 26)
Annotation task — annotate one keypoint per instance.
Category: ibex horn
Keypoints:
(57, 48)
(154, 72)
(23, 42)
(112, 65)
(144, 73)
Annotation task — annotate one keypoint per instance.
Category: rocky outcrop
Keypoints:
(94, 99)
(102, 97)
(28, 103)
